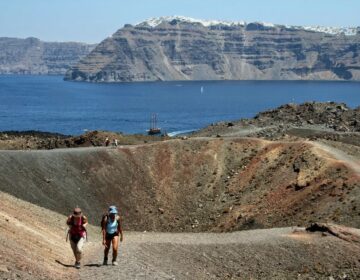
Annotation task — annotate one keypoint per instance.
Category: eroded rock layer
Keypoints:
(32, 56)
(182, 50)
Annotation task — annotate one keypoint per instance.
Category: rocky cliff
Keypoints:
(177, 48)
(32, 56)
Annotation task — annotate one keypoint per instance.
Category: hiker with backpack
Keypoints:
(107, 141)
(77, 223)
(111, 229)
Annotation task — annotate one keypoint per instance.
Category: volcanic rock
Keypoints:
(177, 48)
(32, 56)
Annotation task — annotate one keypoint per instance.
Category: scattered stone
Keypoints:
(4, 268)
(341, 232)
(296, 167)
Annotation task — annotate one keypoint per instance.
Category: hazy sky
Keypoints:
(93, 20)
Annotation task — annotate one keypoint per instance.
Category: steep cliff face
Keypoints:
(176, 48)
(32, 56)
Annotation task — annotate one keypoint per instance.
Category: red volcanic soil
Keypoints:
(185, 186)
(204, 184)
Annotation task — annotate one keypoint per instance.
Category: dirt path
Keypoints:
(349, 160)
(258, 254)
(243, 132)
(151, 255)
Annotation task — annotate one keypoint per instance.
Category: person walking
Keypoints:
(107, 141)
(77, 223)
(111, 229)
(115, 143)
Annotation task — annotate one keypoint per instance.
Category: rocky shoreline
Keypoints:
(311, 120)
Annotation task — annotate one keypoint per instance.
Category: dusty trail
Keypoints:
(350, 161)
(171, 255)
(238, 255)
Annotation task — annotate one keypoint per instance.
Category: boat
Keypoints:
(154, 130)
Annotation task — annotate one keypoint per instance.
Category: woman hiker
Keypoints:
(111, 229)
(77, 232)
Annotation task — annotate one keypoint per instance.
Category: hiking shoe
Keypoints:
(105, 262)
(77, 265)
(115, 263)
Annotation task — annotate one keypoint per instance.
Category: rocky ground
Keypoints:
(290, 173)
(330, 121)
(32, 241)
(33, 247)
(282, 253)
(203, 184)
(36, 140)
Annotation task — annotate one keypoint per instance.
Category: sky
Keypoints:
(92, 21)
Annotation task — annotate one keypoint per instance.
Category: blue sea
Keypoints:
(47, 103)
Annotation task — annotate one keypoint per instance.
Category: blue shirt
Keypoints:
(111, 226)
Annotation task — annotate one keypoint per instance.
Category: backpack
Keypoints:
(77, 231)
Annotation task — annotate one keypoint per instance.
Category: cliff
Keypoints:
(32, 56)
(177, 48)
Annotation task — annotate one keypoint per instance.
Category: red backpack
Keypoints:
(77, 230)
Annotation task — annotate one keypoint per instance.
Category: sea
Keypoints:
(48, 103)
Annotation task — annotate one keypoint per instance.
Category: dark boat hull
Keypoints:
(154, 131)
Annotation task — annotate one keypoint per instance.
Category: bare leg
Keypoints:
(115, 245)
(73, 247)
(106, 250)
(79, 247)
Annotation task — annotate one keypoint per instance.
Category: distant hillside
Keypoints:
(32, 56)
(178, 48)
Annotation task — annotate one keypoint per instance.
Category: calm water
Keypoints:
(47, 103)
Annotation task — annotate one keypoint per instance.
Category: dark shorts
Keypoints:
(111, 236)
(75, 238)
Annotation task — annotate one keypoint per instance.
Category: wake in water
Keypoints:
(180, 132)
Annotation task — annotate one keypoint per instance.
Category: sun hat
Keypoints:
(77, 212)
(113, 210)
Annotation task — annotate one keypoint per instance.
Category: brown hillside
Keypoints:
(32, 239)
(191, 185)
(32, 246)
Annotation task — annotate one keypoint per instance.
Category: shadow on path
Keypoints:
(71, 265)
(63, 264)
(93, 265)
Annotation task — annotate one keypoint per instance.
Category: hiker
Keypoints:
(77, 232)
(115, 143)
(111, 228)
(107, 141)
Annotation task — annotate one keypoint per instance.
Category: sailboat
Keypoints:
(202, 89)
(153, 125)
